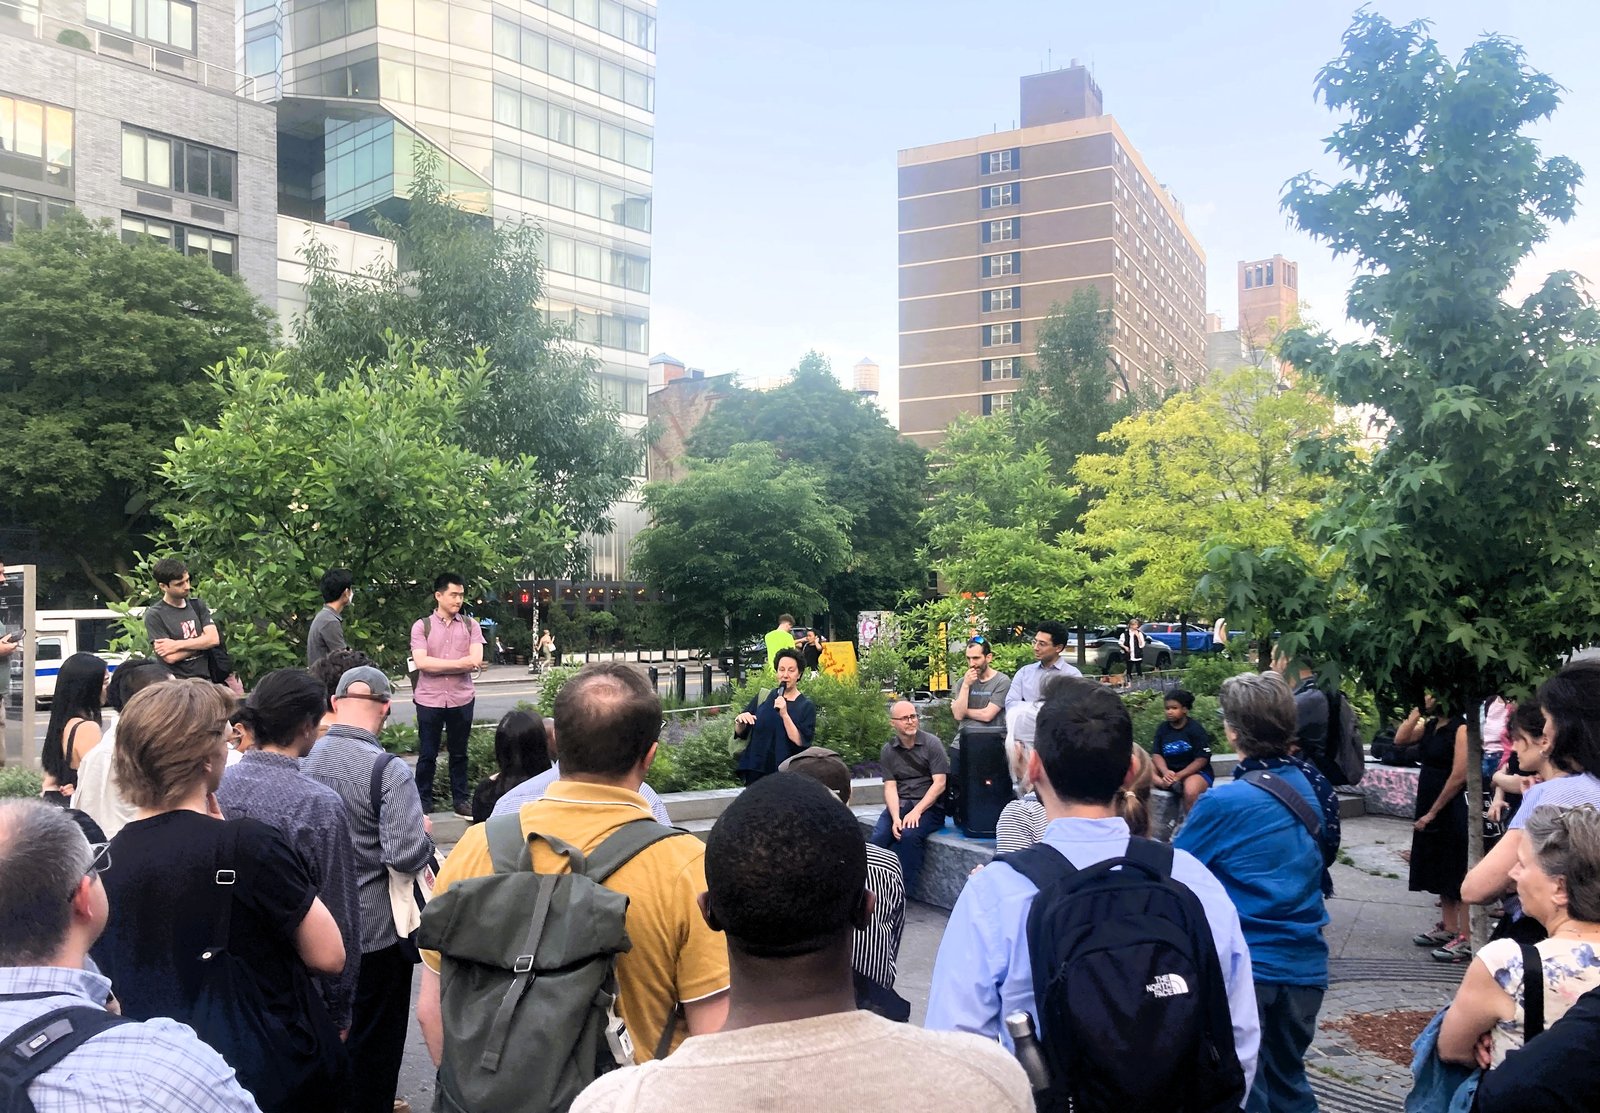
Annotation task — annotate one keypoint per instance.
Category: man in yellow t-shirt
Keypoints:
(781, 638)
(608, 719)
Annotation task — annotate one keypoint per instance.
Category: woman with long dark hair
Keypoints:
(74, 727)
(521, 752)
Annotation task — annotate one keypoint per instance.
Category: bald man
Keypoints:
(915, 770)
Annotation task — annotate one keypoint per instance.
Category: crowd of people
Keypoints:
(222, 902)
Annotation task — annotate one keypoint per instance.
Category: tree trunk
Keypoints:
(1083, 656)
(110, 593)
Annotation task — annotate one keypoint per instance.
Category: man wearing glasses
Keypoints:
(915, 771)
(1048, 643)
(393, 836)
(87, 1058)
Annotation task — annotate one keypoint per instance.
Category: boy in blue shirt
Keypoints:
(1182, 750)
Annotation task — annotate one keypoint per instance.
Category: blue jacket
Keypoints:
(1272, 869)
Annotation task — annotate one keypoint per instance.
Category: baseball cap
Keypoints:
(821, 764)
(375, 680)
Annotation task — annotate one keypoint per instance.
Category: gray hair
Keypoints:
(1566, 843)
(43, 856)
(1261, 712)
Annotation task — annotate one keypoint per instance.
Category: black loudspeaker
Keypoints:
(985, 783)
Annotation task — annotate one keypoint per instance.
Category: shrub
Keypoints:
(17, 781)
(884, 668)
(399, 738)
(1010, 657)
(1205, 675)
(480, 763)
(1147, 707)
(699, 762)
(73, 38)
(552, 684)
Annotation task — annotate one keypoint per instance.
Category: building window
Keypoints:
(561, 124)
(574, 64)
(1258, 275)
(178, 164)
(996, 404)
(999, 231)
(1000, 370)
(1247, 278)
(1269, 274)
(24, 211)
(215, 248)
(36, 141)
(1010, 332)
(1006, 297)
(996, 197)
(998, 162)
(1010, 263)
(168, 22)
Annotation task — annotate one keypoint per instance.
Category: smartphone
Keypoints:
(16, 635)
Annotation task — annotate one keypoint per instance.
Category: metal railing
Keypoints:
(19, 17)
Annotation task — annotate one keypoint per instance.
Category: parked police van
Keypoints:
(59, 634)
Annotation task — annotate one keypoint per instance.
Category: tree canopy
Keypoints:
(367, 473)
(103, 350)
(1215, 464)
(740, 540)
(464, 285)
(1467, 541)
(867, 470)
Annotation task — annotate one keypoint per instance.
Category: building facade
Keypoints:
(998, 229)
(132, 112)
(541, 111)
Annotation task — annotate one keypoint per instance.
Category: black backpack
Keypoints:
(42, 1043)
(1345, 761)
(1132, 1010)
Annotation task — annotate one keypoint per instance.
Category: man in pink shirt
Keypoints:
(448, 652)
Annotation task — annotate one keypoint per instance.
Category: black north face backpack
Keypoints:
(1132, 1009)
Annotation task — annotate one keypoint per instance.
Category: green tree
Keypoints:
(739, 540)
(1069, 393)
(366, 473)
(980, 479)
(866, 468)
(1468, 540)
(103, 350)
(1215, 464)
(464, 285)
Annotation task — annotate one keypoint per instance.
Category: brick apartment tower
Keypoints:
(996, 229)
(1269, 299)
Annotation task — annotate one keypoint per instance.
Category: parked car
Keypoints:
(1170, 634)
(1102, 651)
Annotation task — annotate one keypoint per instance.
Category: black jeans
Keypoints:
(453, 724)
(377, 1041)
(1288, 1021)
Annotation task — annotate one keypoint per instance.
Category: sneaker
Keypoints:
(464, 811)
(1438, 937)
(1458, 949)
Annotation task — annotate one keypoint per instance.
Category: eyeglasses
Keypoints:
(904, 718)
(101, 860)
(979, 640)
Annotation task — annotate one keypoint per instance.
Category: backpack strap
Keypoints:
(1532, 992)
(624, 844)
(375, 784)
(225, 878)
(1277, 787)
(43, 1042)
(508, 846)
(1041, 864)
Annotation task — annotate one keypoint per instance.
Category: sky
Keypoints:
(778, 127)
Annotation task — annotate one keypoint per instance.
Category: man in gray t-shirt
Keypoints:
(181, 629)
(327, 628)
(979, 703)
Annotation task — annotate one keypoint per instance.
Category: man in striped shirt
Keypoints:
(877, 946)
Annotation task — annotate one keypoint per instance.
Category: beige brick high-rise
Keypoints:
(997, 229)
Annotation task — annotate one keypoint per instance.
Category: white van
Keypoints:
(60, 634)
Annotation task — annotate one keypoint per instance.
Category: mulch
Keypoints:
(1388, 1034)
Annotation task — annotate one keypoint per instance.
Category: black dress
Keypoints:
(1439, 851)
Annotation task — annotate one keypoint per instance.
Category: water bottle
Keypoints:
(1028, 1051)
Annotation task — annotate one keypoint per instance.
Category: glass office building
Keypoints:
(539, 111)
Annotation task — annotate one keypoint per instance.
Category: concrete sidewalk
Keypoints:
(1374, 968)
